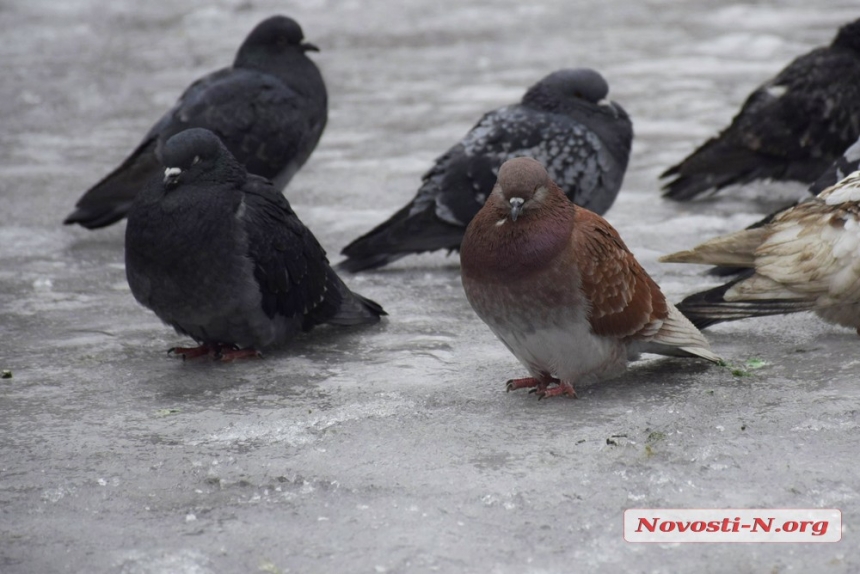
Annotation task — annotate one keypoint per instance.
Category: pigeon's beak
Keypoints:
(308, 47)
(171, 175)
(607, 103)
(516, 207)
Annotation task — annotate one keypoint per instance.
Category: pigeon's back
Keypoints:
(270, 109)
(586, 155)
(563, 121)
(269, 127)
(790, 128)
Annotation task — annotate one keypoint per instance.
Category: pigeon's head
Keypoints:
(273, 36)
(194, 154)
(568, 88)
(848, 36)
(582, 83)
(523, 185)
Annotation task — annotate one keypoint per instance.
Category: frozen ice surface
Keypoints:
(393, 448)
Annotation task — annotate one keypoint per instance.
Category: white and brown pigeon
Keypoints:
(565, 121)
(558, 286)
(844, 165)
(806, 258)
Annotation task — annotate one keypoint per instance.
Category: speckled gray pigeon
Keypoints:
(218, 254)
(269, 108)
(790, 128)
(564, 121)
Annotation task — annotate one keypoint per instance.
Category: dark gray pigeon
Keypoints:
(564, 121)
(791, 128)
(269, 108)
(218, 254)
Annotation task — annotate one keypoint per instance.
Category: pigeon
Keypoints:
(807, 258)
(269, 108)
(790, 128)
(555, 282)
(219, 255)
(564, 120)
(845, 164)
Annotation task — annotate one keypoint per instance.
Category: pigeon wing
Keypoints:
(573, 154)
(625, 301)
(259, 119)
(290, 265)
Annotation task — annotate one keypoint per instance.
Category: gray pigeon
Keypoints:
(791, 128)
(564, 121)
(269, 108)
(218, 254)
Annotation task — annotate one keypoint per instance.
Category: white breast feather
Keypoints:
(847, 190)
(845, 281)
(566, 351)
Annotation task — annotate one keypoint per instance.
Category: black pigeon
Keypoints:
(791, 128)
(218, 254)
(564, 121)
(269, 108)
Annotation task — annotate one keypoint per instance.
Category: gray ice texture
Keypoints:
(394, 448)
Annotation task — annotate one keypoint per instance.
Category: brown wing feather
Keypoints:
(625, 301)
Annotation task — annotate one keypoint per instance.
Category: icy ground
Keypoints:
(393, 449)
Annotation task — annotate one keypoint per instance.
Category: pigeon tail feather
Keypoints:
(403, 234)
(110, 199)
(736, 249)
(678, 337)
(709, 307)
(356, 309)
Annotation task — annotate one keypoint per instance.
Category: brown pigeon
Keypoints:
(559, 287)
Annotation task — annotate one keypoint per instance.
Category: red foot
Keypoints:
(228, 354)
(191, 352)
(536, 385)
(224, 353)
(560, 389)
(525, 383)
